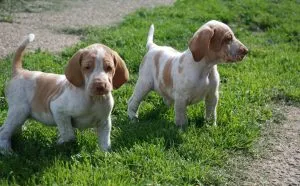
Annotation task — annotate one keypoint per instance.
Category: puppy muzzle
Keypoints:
(238, 55)
(100, 88)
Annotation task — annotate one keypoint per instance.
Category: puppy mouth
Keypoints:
(99, 98)
(234, 58)
(99, 92)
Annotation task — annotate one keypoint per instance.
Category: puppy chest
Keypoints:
(197, 90)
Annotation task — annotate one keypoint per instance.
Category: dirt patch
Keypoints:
(47, 25)
(278, 160)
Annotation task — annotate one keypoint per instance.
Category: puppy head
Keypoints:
(98, 69)
(215, 41)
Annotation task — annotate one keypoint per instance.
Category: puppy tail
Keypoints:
(17, 62)
(150, 37)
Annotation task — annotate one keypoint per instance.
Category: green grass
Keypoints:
(154, 151)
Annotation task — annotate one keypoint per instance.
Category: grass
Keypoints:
(154, 151)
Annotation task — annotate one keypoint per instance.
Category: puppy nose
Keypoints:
(243, 50)
(100, 86)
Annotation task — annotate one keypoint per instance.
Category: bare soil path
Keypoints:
(278, 161)
(47, 25)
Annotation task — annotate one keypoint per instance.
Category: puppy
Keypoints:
(185, 78)
(79, 99)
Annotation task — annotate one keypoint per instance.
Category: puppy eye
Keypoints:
(228, 38)
(108, 69)
(87, 67)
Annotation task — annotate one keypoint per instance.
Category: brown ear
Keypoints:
(199, 44)
(216, 41)
(73, 72)
(121, 75)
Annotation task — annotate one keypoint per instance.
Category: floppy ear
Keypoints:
(217, 39)
(73, 72)
(199, 44)
(121, 75)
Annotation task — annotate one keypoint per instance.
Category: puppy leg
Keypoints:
(180, 112)
(142, 88)
(211, 102)
(103, 131)
(64, 125)
(15, 119)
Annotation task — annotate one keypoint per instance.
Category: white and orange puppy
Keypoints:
(79, 99)
(185, 78)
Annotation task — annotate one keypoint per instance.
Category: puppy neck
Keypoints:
(203, 67)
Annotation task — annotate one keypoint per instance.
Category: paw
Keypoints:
(105, 146)
(211, 122)
(132, 116)
(181, 122)
(182, 127)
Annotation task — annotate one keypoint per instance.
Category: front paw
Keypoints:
(132, 116)
(210, 121)
(181, 122)
(105, 145)
(106, 148)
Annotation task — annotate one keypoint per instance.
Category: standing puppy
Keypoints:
(81, 98)
(185, 78)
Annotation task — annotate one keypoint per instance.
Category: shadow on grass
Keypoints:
(149, 128)
(152, 126)
(35, 150)
(32, 155)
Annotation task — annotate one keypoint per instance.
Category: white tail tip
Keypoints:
(152, 27)
(150, 37)
(31, 37)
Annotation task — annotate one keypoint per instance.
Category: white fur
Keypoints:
(196, 80)
(28, 39)
(73, 107)
(31, 37)
(150, 36)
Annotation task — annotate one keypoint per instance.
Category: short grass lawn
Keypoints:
(153, 151)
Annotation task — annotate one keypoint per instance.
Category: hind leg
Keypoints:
(15, 119)
(142, 88)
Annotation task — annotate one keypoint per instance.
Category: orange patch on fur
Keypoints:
(88, 62)
(167, 77)
(164, 92)
(217, 39)
(46, 90)
(26, 74)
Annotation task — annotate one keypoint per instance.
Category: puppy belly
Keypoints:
(166, 95)
(45, 118)
(85, 122)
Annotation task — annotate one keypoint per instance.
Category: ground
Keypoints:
(49, 26)
(277, 161)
